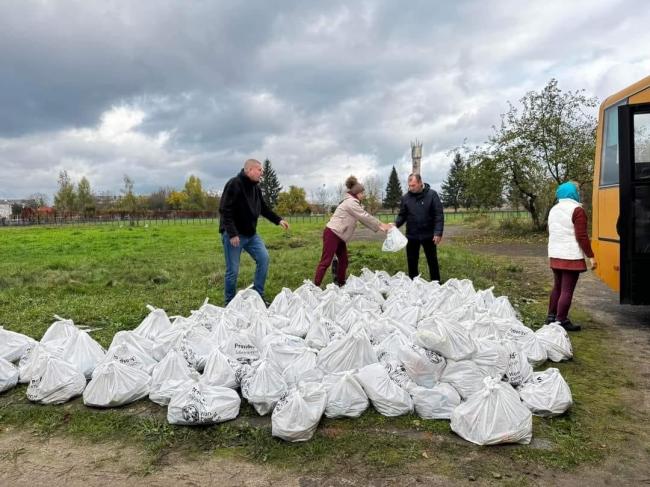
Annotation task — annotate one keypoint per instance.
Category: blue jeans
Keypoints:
(257, 250)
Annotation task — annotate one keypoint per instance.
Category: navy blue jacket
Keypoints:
(241, 205)
(422, 213)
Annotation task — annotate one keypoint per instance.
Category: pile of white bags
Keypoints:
(445, 351)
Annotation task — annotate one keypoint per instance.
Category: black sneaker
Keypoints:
(568, 326)
(550, 319)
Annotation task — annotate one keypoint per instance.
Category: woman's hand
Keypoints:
(385, 227)
(593, 262)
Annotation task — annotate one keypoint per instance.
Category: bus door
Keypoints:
(634, 192)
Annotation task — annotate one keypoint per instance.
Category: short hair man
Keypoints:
(421, 210)
(241, 205)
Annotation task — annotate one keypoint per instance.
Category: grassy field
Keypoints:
(102, 277)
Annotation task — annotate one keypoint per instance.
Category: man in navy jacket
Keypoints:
(241, 205)
(421, 210)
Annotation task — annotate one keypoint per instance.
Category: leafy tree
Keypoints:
(372, 201)
(393, 191)
(212, 202)
(454, 188)
(64, 199)
(177, 199)
(270, 184)
(195, 195)
(158, 199)
(85, 199)
(549, 140)
(483, 181)
(129, 201)
(293, 201)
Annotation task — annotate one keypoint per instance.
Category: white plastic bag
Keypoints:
(349, 352)
(345, 396)
(494, 415)
(129, 354)
(490, 356)
(169, 377)
(395, 241)
(449, 339)
(437, 402)
(466, 377)
(8, 375)
(54, 381)
(303, 369)
(84, 353)
(397, 373)
(529, 343)
(28, 362)
(115, 384)
(155, 324)
(200, 403)
(556, 341)
(221, 370)
(14, 345)
(423, 366)
(297, 413)
(59, 331)
(241, 347)
(519, 370)
(547, 394)
(386, 396)
(263, 387)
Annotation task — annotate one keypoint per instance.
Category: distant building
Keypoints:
(5, 210)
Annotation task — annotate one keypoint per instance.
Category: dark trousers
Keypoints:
(332, 245)
(562, 293)
(413, 257)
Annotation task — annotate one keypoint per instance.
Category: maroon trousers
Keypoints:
(332, 245)
(562, 293)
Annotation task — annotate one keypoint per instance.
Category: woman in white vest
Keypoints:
(568, 245)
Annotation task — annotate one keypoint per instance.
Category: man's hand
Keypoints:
(437, 239)
(385, 227)
(284, 224)
(593, 262)
(235, 241)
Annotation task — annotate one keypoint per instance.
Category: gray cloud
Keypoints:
(164, 89)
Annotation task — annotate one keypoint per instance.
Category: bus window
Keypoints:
(642, 145)
(609, 159)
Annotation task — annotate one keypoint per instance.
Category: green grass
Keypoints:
(103, 276)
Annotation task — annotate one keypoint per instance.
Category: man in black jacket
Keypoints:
(241, 205)
(421, 210)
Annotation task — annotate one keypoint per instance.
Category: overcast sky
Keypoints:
(162, 89)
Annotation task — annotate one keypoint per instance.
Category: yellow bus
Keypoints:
(621, 193)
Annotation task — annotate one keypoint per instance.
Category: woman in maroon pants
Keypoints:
(568, 245)
(340, 228)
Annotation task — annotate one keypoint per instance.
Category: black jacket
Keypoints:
(422, 213)
(241, 205)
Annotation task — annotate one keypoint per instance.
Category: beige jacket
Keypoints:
(347, 214)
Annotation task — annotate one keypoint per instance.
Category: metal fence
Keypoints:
(450, 217)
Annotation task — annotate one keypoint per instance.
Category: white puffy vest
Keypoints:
(562, 243)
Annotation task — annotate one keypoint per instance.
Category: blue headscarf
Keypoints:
(568, 190)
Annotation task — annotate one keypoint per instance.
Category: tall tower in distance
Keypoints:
(416, 156)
